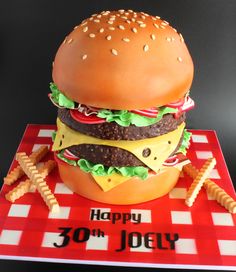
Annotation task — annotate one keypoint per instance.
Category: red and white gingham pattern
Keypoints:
(207, 232)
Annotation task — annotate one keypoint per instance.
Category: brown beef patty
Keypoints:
(109, 155)
(113, 131)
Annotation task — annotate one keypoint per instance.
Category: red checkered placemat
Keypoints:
(160, 233)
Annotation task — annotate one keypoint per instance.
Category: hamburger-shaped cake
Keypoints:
(121, 83)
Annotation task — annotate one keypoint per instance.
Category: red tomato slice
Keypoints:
(171, 161)
(70, 156)
(80, 117)
(177, 103)
(152, 112)
(188, 104)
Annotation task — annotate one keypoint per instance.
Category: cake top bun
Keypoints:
(123, 60)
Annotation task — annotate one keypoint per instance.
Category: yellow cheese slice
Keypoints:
(160, 147)
(110, 181)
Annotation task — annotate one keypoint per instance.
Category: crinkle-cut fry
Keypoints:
(47, 168)
(32, 172)
(22, 188)
(37, 156)
(214, 190)
(27, 186)
(199, 181)
(191, 170)
(220, 196)
(17, 172)
(14, 175)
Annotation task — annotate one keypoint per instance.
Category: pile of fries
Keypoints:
(36, 177)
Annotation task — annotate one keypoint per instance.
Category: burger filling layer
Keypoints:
(113, 131)
(149, 154)
(114, 145)
(110, 155)
(87, 114)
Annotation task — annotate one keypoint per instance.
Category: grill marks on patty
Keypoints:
(113, 131)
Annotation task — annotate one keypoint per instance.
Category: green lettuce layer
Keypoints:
(101, 170)
(124, 118)
(128, 171)
(185, 143)
(59, 98)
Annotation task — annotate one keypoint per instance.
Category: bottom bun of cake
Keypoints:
(132, 191)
